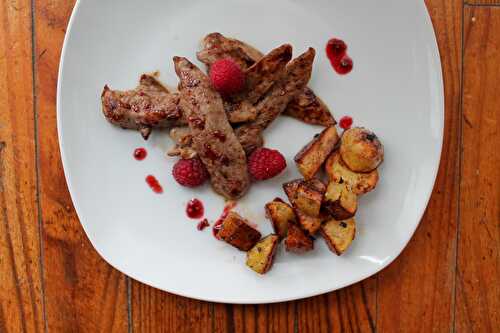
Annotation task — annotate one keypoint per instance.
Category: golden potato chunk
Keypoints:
(297, 240)
(236, 231)
(361, 150)
(310, 224)
(339, 234)
(357, 183)
(310, 159)
(339, 201)
(306, 195)
(260, 258)
(281, 214)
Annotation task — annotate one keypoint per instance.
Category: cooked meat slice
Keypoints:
(259, 78)
(298, 73)
(216, 46)
(264, 73)
(306, 107)
(236, 231)
(239, 112)
(148, 106)
(213, 137)
(309, 108)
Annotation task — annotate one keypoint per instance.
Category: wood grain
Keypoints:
(21, 305)
(154, 310)
(82, 292)
(351, 309)
(482, 2)
(478, 287)
(416, 292)
(273, 318)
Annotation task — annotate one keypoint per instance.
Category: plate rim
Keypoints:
(434, 48)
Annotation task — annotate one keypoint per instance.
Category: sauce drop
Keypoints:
(202, 225)
(218, 224)
(140, 154)
(336, 51)
(194, 209)
(154, 184)
(345, 122)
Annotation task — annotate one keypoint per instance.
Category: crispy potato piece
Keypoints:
(310, 159)
(339, 234)
(260, 258)
(297, 240)
(361, 150)
(306, 195)
(339, 201)
(281, 214)
(308, 199)
(357, 183)
(236, 231)
(308, 223)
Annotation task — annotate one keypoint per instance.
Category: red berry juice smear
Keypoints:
(202, 225)
(194, 209)
(218, 224)
(336, 51)
(154, 184)
(345, 122)
(140, 154)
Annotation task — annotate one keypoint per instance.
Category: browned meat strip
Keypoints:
(262, 75)
(298, 73)
(259, 78)
(212, 136)
(306, 107)
(148, 106)
(216, 47)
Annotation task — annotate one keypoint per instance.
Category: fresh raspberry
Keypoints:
(345, 122)
(227, 77)
(265, 163)
(190, 172)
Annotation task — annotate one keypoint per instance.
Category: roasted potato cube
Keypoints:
(306, 195)
(357, 183)
(236, 231)
(339, 201)
(260, 258)
(361, 150)
(339, 234)
(308, 199)
(308, 223)
(281, 214)
(310, 159)
(297, 240)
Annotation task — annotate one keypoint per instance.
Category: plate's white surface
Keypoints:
(395, 89)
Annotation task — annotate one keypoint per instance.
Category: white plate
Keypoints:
(395, 89)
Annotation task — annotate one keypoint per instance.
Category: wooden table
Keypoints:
(51, 278)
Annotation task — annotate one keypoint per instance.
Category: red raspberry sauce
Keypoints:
(202, 225)
(154, 184)
(345, 122)
(140, 154)
(218, 224)
(336, 51)
(194, 209)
